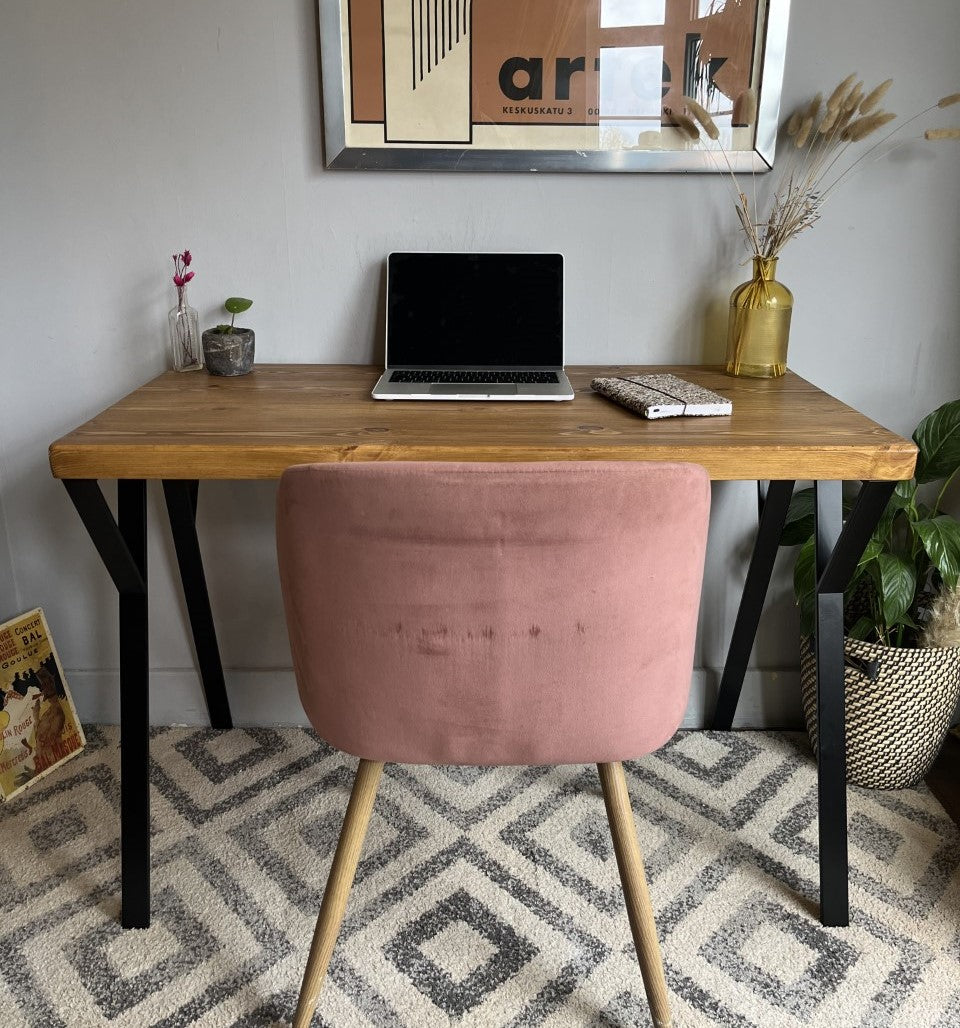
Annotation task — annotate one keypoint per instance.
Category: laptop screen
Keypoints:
(475, 310)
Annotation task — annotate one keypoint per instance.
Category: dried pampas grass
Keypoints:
(708, 124)
(853, 99)
(815, 165)
(863, 127)
(813, 108)
(683, 122)
(745, 108)
(872, 100)
(840, 93)
(829, 120)
(942, 627)
(818, 161)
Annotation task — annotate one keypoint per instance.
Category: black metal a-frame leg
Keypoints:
(181, 499)
(122, 544)
(773, 514)
(839, 547)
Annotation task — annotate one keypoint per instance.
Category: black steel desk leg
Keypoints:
(839, 548)
(135, 713)
(773, 514)
(122, 544)
(831, 730)
(181, 500)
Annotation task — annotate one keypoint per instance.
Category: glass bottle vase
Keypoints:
(185, 335)
(758, 329)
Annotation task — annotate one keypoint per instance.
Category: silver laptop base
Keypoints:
(387, 390)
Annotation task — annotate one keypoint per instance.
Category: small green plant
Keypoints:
(913, 555)
(233, 306)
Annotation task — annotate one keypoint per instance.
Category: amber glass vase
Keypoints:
(759, 325)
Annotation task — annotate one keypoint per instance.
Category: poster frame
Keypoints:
(334, 39)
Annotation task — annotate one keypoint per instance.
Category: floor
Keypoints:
(485, 896)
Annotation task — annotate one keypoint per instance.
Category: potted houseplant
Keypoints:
(901, 619)
(228, 350)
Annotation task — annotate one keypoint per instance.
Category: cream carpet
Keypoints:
(485, 897)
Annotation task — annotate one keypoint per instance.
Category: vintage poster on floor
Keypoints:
(38, 721)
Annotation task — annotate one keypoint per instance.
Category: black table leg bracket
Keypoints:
(106, 535)
(181, 500)
(773, 514)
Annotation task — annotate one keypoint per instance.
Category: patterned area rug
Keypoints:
(484, 897)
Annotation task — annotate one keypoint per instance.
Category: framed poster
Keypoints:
(550, 85)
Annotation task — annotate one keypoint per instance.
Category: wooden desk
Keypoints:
(187, 426)
(182, 428)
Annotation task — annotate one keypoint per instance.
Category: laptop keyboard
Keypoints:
(522, 377)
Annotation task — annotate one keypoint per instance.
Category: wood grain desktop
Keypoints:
(197, 426)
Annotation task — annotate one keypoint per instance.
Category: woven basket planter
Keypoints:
(898, 713)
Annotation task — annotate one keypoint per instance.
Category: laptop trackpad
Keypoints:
(475, 388)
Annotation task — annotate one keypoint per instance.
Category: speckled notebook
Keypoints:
(662, 396)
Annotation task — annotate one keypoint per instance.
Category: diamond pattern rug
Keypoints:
(484, 897)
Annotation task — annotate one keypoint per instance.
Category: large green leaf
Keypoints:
(799, 523)
(897, 581)
(941, 540)
(863, 586)
(904, 492)
(798, 526)
(901, 500)
(938, 437)
(804, 585)
(864, 629)
(873, 548)
(804, 571)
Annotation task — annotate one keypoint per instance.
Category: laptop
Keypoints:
(474, 326)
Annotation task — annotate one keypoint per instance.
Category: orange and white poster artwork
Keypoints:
(542, 74)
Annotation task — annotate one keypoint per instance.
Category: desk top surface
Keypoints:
(198, 426)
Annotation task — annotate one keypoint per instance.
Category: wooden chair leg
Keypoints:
(339, 883)
(635, 892)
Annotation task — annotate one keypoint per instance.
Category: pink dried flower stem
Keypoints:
(181, 261)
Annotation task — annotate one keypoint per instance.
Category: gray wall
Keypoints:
(129, 131)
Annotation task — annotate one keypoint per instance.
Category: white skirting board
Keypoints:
(267, 697)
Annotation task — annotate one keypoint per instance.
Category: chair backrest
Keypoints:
(493, 613)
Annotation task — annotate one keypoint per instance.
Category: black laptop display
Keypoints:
(474, 320)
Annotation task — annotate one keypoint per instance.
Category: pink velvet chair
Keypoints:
(446, 613)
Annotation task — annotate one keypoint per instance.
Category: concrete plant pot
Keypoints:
(228, 353)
